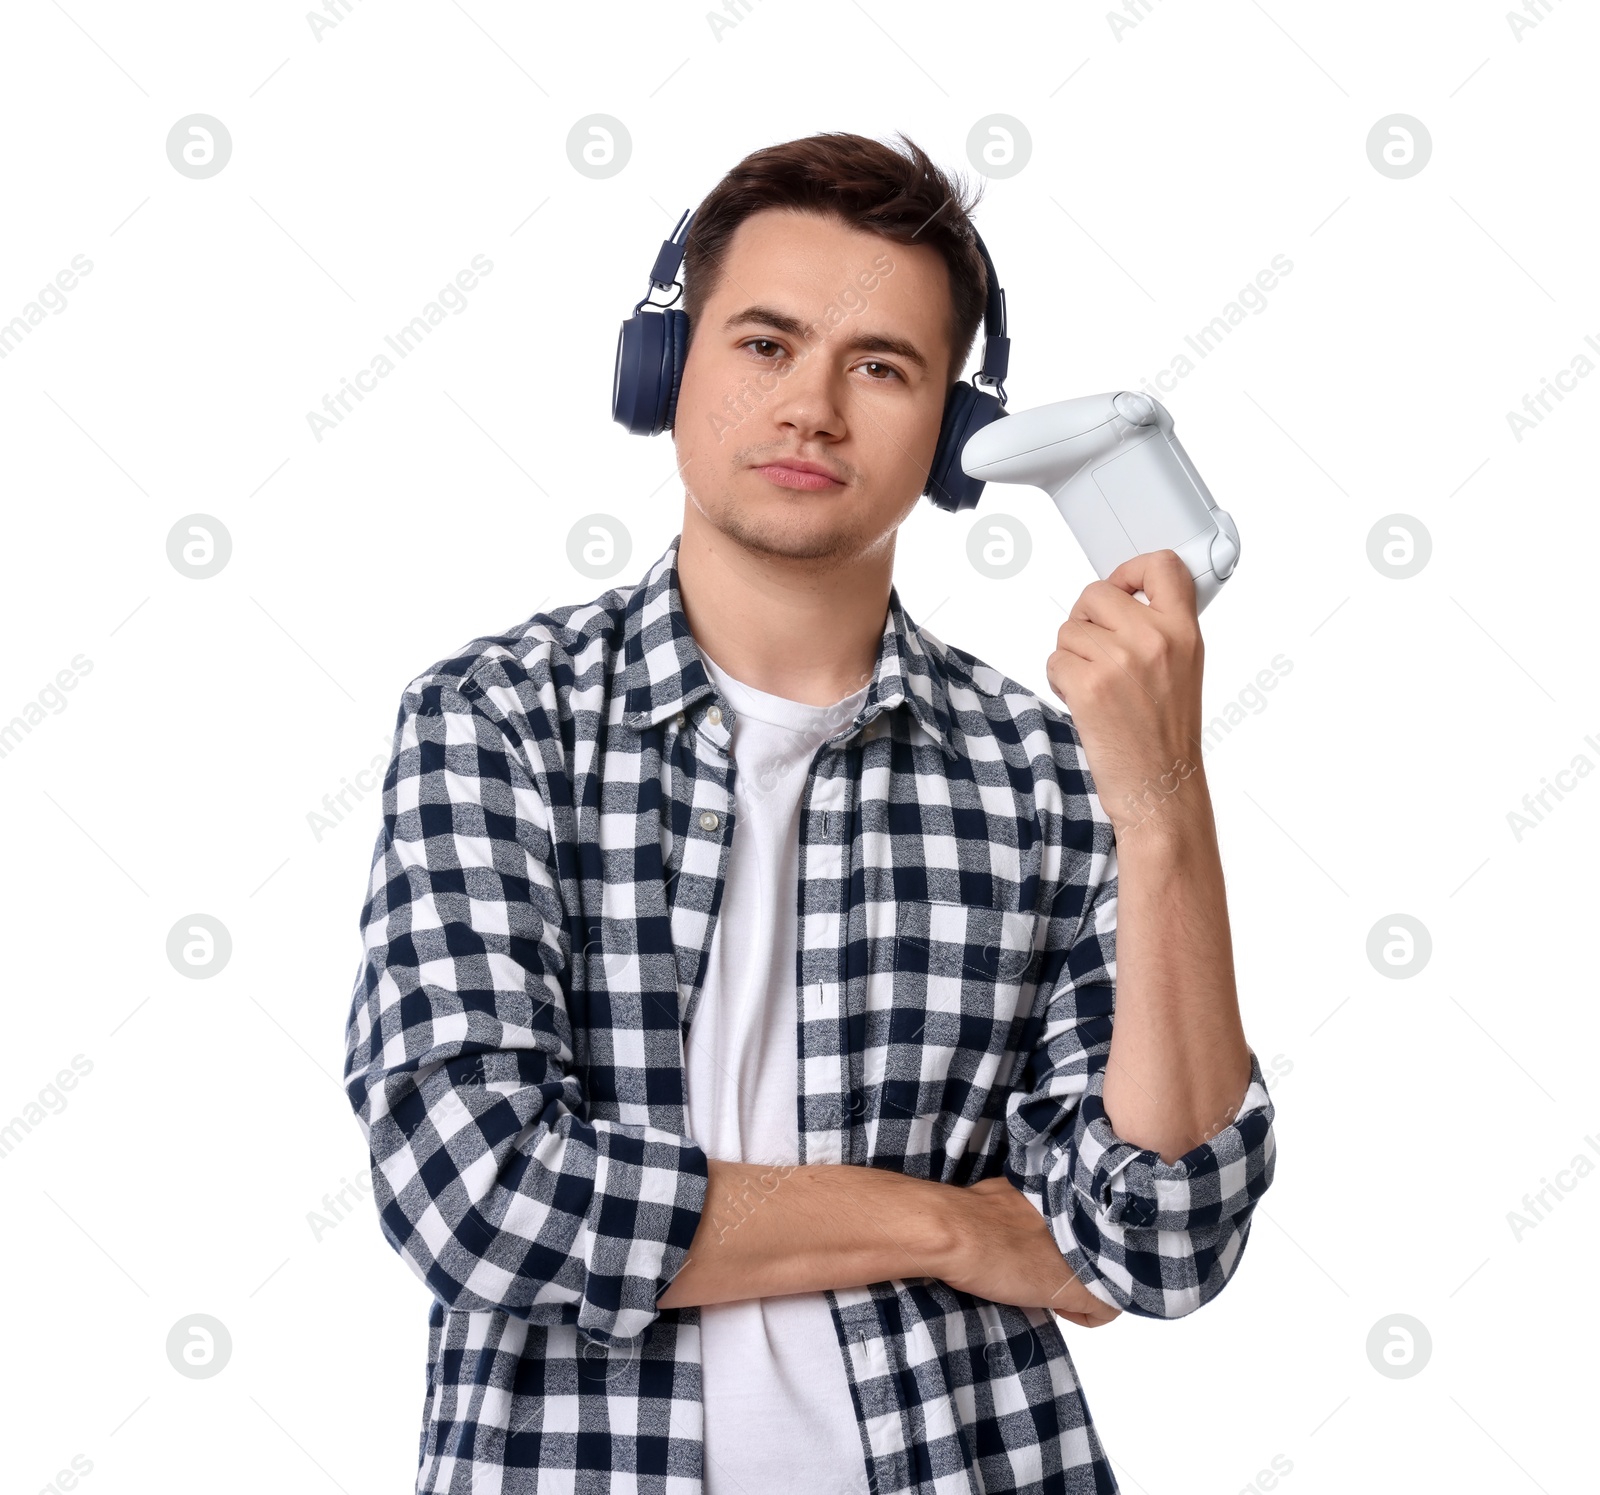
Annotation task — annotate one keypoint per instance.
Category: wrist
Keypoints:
(946, 1228)
(1163, 827)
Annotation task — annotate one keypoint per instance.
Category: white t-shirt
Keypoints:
(779, 1419)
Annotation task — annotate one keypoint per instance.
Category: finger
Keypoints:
(1076, 642)
(1161, 575)
(1107, 602)
(1089, 639)
(1090, 642)
(1064, 671)
(1097, 645)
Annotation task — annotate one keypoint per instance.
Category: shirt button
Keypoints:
(681, 718)
(714, 715)
(709, 820)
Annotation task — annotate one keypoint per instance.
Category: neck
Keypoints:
(804, 628)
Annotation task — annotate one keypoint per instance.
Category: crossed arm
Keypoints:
(502, 1194)
(801, 1228)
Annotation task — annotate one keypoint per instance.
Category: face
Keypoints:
(825, 345)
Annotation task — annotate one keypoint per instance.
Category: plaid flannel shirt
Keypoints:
(557, 817)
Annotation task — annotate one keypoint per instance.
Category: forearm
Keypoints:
(768, 1230)
(1179, 1064)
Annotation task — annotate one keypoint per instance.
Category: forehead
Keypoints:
(804, 260)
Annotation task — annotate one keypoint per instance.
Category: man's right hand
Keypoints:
(1002, 1250)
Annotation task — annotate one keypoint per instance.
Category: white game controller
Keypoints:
(1120, 478)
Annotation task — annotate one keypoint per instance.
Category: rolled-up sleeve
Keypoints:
(490, 1181)
(1150, 1237)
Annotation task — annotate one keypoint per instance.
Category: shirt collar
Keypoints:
(663, 672)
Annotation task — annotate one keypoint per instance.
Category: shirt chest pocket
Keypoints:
(947, 995)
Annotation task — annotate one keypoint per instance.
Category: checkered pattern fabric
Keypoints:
(557, 817)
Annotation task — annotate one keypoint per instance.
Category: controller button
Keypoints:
(1224, 555)
(1137, 410)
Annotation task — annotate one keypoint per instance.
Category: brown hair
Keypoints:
(865, 183)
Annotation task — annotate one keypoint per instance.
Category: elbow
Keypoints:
(577, 1223)
(525, 1266)
(1160, 1274)
(1151, 1237)
(494, 1227)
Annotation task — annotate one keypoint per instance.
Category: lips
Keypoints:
(797, 473)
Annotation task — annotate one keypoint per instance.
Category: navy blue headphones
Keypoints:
(652, 345)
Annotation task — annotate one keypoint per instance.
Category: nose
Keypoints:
(807, 396)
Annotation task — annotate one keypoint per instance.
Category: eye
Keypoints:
(874, 364)
(750, 342)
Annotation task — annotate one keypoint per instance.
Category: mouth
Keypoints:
(810, 476)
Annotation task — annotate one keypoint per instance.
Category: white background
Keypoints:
(1168, 166)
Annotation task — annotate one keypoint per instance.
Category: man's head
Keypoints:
(834, 290)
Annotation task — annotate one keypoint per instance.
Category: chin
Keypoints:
(787, 533)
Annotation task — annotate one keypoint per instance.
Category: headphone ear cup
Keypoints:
(967, 410)
(673, 358)
(644, 385)
(633, 396)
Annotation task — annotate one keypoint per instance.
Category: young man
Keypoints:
(735, 1039)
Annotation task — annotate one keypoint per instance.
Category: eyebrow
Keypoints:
(862, 342)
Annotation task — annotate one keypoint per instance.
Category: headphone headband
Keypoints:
(996, 345)
(664, 273)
